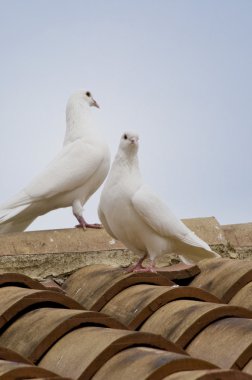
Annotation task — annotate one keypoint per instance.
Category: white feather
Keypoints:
(130, 212)
(70, 179)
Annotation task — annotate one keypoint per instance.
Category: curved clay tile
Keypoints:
(211, 374)
(93, 286)
(82, 352)
(179, 271)
(248, 368)
(243, 297)
(223, 277)
(226, 343)
(13, 371)
(17, 279)
(35, 332)
(135, 304)
(15, 300)
(146, 363)
(50, 284)
(12, 356)
(180, 321)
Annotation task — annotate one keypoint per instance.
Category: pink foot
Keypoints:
(83, 224)
(87, 225)
(139, 268)
(146, 270)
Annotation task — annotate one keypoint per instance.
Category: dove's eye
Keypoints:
(125, 136)
(88, 94)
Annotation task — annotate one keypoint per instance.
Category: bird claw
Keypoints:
(145, 270)
(94, 225)
(140, 269)
(83, 224)
(87, 225)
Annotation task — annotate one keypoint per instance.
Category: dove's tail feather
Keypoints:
(191, 255)
(192, 249)
(13, 215)
(8, 214)
(18, 200)
(15, 226)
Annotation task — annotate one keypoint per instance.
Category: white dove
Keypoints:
(71, 178)
(131, 213)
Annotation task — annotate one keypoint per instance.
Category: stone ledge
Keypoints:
(91, 240)
(47, 265)
(57, 253)
(57, 241)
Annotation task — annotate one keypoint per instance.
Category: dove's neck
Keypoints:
(78, 122)
(126, 166)
(128, 160)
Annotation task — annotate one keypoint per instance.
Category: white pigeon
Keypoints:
(131, 213)
(71, 178)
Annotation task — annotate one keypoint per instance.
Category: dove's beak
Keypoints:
(134, 140)
(94, 104)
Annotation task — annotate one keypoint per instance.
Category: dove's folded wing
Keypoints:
(73, 166)
(160, 218)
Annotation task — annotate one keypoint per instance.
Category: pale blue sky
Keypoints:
(176, 71)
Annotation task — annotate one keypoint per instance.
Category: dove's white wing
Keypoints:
(160, 218)
(71, 168)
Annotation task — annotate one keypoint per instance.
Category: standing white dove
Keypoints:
(131, 213)
(71, 178)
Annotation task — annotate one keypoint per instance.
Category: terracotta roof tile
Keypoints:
(81, 353)
(248, 367)
(13, 370)
(223, 277)
(50, 284)
(243, 297)
(226, 343)
(179, 271)
(147, 363)
(208, 375)
(36, 331)
(135, 304)
(21, 280)
(93, 286)
(15, 300)
(181, 320)
(196, 328)
(13, 356)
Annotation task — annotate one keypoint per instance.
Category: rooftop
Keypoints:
(68, 309)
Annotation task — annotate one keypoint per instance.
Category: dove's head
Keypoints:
(129, 142)
(87, 96)
(83, 97)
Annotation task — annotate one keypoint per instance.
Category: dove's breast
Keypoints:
(90, 185)
(126, 224)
